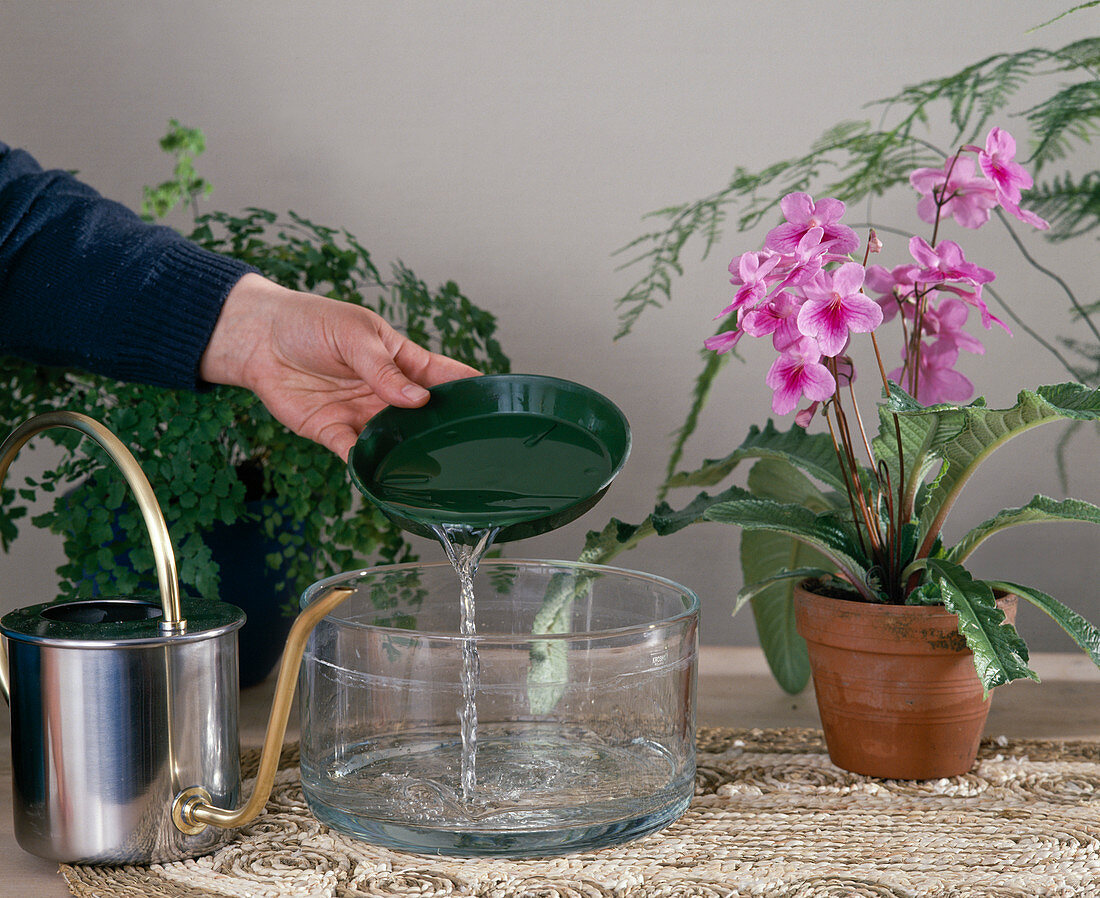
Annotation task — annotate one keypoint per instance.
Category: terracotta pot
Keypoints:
(896, 687)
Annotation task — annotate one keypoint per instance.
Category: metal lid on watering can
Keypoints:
(519, 452)
(116, 622)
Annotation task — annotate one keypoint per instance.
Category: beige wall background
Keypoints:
(513, 147)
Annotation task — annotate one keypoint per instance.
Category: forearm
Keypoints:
(85, 283)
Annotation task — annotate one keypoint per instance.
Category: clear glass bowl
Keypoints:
(585, 706)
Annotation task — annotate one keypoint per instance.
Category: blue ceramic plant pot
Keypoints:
(240, 550)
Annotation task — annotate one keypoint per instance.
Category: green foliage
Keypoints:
(813, 453)
(185, 187)
(1041, 509)
(548, 672)
(975, 432)
(764, 552)
(1071, 201)
(212, 456)
(784, 505)
(713, 362)
(1080, 630)
(827, 532)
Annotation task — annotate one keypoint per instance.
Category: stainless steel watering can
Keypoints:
(124, 711)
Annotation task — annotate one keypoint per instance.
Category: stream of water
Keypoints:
(465, 557)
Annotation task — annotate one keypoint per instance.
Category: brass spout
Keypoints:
(192, 810)
(172, 620)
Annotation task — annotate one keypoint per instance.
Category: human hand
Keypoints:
(322, 367)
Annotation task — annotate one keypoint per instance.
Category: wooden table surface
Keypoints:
(735, 690)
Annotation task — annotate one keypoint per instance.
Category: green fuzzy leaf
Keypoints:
(773, 606)
(982, 431)
(778, 479)
(785, 575)
(770, 557)
(666, 520)
(964, 436)
(922, 436)
(1000, 655)
(824, 532)
(617, 536)
(1040, 509)
(813, 453)
(1080, 630)
(601, 546)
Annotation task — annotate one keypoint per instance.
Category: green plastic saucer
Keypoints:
(518, 452)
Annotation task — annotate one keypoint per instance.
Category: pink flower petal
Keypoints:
(863, 314)
(805, 415)
(848, 278)
(722, 342)
(797, 207)
(817, 382)
(826, 323)
(1025, 216)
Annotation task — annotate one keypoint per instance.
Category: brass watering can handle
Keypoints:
(172, 620)
(193, 810)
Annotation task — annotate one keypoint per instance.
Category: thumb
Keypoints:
(392, 386)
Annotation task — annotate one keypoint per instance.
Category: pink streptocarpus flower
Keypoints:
(998, 163)
(803, 263)
(836, 306)
(778, 317)
(946, 263)
(972, 298)
(803, 214)
(946, 320)
(938, 380)
(961, 194)
(751, 271)
(845, 370)
(796, 373)
(894, 287)
(723, 342)
(1026, 216)
(845, 373)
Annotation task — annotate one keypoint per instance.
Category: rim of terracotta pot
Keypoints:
(874, 626)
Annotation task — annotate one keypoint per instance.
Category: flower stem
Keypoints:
(881, 367)
(859, 422)
(856, 488)
(942, 198)
(847, 483)
(915, 346)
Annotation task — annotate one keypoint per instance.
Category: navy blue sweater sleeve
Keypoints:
(85, 283)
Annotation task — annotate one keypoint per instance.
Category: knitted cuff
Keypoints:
(183, 297)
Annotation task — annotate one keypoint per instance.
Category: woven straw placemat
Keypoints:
(771, 816)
